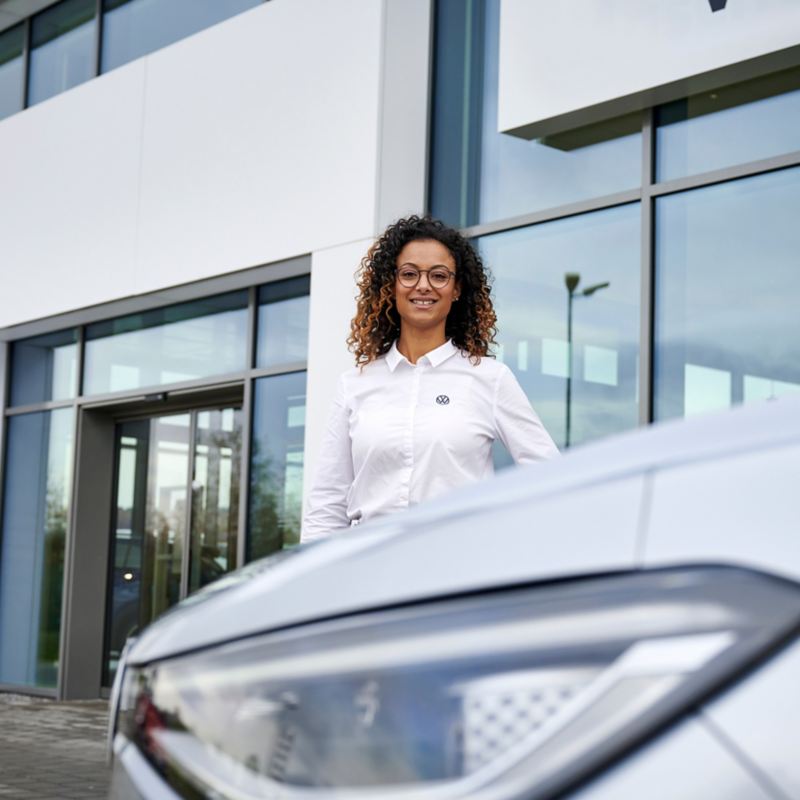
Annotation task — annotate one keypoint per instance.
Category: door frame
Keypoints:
(86, 561)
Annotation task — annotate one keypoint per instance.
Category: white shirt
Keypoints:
(401, 433)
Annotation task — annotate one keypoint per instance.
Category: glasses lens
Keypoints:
(439, 278)
(408, 276)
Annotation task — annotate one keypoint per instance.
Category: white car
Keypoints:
(619, 623)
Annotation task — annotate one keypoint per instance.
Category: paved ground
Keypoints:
(52, 751)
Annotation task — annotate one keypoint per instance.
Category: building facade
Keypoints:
(186, 200)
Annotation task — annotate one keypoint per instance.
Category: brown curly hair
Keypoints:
(471, 323)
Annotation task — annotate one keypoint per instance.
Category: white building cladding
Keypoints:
(160, 223)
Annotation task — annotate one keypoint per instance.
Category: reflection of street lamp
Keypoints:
(571, 281)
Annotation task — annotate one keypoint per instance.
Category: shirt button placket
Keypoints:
(409, 435)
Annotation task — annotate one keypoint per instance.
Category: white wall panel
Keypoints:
(250, 142)
(333, 305)
(69, 174)
(564, 64)
(260, 139)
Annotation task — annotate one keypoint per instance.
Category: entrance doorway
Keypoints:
(175, 515)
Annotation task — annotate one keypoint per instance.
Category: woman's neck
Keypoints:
(415, 343)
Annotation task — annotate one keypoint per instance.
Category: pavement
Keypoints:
(52, 751)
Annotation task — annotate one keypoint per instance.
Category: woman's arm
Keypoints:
(326, 505)
(517, 424)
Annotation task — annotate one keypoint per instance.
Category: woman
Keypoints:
(418, 413)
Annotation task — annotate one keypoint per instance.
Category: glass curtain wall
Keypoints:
(575, 353)
(167, 345)
(62, 49)
(36, 507)
(727, 291)
(182, 476)
(279, 407)
(12, 70)
(698, 282)
(134, 28)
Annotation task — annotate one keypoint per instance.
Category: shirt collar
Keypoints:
(434, 358)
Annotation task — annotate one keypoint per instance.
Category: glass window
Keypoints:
(598, 256)
(740, 123)
(11, 70)
(480, 175)
(215, 495)
(167, 345)
(133, 28)
(276, 471)
(283, 322)
(35, 514)
(44, 368)
(62, 48)
(727, 291)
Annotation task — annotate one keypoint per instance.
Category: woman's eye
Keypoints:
(408, 274)
(439, 276)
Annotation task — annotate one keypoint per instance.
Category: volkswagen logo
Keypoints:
(442, 399)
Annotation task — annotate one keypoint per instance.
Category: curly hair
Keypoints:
(471, 323)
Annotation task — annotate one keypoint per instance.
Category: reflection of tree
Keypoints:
(55, 533)
(274, 522)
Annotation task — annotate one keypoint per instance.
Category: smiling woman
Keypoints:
(419, 412)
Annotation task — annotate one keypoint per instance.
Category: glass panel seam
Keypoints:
(50, 405)
(188, 539)
(66, 584)
(548, 215)
(647, 276)
(727, 174)
(244, 472)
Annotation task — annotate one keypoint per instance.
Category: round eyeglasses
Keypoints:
(438, 277)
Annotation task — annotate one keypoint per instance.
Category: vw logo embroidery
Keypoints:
(442, 399)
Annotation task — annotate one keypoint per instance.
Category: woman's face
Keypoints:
(423, 306)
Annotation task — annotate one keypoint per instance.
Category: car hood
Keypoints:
(576, 514)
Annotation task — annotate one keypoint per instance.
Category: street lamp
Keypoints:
(571, 281)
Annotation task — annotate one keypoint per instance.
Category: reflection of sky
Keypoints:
(728, 279)
(172, 352)
(531, 302)
(519, 176)
(749, 132)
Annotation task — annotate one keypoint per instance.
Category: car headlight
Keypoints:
(504, 694)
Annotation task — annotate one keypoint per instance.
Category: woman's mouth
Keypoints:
(423, 302)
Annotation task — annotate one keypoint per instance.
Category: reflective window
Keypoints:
(283, 322)
(276, 471)
(582, 378)
(215, 495)
(480, 175)
(35, 514)
(44, 368)
(727, 281)
(62, 48)
(733, 125)
(167, 345)
(11, 70)
(133, 28)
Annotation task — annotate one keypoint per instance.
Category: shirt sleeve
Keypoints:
(326, 504)
(517, 424)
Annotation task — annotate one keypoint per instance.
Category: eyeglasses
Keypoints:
(438, 277)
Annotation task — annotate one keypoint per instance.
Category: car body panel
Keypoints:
(578, 514)
(684, 762)
(743, 508)
(760, 717)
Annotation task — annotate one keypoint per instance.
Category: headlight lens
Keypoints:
(512, 693)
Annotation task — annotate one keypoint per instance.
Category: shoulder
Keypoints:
(352, 378)
(488, 368)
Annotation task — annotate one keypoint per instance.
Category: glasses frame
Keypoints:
(450, 276)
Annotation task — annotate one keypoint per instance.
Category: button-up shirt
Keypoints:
(401, 433)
